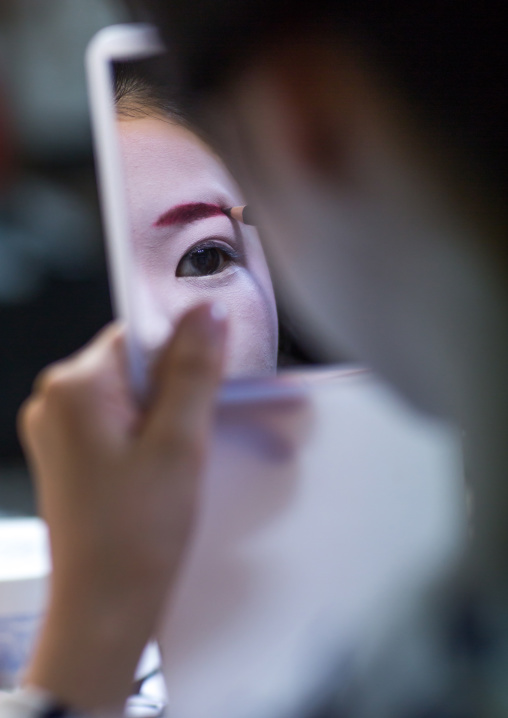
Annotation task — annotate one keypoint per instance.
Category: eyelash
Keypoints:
(232, 257)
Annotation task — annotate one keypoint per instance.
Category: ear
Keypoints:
(295, 111)
(316, 87)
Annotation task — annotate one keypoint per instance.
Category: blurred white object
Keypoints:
(119, 42)
(317, 518)
(151, 699)
(24, 574)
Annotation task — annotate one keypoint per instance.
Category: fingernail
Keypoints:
(209, 322)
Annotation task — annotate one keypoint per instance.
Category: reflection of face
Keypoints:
(190, 255)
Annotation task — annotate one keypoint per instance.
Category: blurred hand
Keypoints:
(118, 487)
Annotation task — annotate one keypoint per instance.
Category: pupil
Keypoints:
(206, 261)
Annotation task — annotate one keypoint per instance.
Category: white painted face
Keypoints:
(187, 251)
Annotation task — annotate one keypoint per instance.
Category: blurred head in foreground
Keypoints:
(186, 249)
(371, 139)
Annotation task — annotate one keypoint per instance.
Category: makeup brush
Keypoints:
(241, 214)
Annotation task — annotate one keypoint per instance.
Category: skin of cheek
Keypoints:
(375, 257)
(252, 345)
(253, 327)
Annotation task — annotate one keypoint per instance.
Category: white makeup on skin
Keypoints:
(187, 251)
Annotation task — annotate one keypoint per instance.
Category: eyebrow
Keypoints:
(186, 213)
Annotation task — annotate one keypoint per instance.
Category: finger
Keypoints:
(106, 341)
(27, 421)
(89, 392)
(186, 378)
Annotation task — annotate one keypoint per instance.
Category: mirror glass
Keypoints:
(186, 249)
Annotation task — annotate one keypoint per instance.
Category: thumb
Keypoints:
(186, 378)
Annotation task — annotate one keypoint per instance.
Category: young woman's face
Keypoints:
(186, 250)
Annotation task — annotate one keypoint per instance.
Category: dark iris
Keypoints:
(205, 261)
(202, 262)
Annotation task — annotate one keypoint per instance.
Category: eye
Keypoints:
(203, 261)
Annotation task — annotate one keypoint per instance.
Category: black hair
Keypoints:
(139, 92)
(448, 57)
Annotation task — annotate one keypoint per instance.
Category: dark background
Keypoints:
(53, 285)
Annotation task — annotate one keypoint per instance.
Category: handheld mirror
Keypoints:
(171, 244)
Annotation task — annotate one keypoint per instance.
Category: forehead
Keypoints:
(164, 158)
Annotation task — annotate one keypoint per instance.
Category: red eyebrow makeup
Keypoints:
(186, 213)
